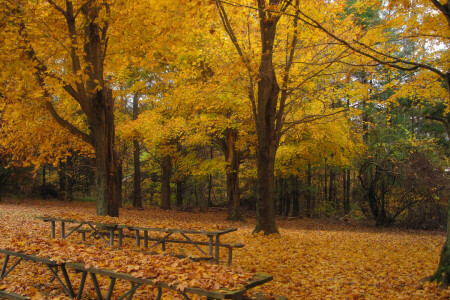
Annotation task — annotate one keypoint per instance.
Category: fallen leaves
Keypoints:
(309, 260)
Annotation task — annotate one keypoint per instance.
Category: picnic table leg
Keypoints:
(111, 288)
(120, 236)
(67, 279)
(217, 248)
(111, 236)
(158, 297)
(130, 293)
(145, 238)
(211, 243)
(82, 282)
(53, 229)
(230, 256)
(6, 272)
(5, 263)
(63, 230)
(68, 285)
(138, 238)
(96, 286)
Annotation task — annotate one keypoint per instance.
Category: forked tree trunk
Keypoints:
(266, 114)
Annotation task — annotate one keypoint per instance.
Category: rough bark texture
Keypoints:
(102, 124)
(165, 182)
(268, 92)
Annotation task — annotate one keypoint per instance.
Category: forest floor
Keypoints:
(310, 259)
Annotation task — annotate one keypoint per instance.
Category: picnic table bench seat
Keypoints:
(135, 282)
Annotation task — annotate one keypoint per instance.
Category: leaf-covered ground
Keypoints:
(310, 259)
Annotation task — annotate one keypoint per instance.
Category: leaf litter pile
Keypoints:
(309, 259)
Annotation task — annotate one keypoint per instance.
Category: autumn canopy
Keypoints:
(294, 108)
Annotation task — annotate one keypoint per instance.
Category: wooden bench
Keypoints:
(136, 282)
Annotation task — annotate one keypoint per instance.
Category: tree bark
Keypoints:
(180, 192)
(165, 182)
(308, 192)
(266, 113)
(232, 170)
(137, 193)
(102, 125)
(62, 173)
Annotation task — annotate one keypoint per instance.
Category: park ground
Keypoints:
(310, 259)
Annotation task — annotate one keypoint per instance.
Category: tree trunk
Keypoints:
(102, 125)
(308, 192)
(137, 193)
(346, 189)
(69, 178)
(180, 192)
(165, 182)
(266, 113)
(233, 193)
(62, 173)
(295, 196)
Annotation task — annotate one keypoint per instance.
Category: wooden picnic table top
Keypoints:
(132, 227)
(257, 279)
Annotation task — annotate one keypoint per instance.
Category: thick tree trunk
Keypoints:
(102, 125)
(165, 182)
(442, 274)
(266, 113)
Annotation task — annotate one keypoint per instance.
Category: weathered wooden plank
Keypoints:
(30, 257)
(13, 296)
(222, 294)
(188, 231)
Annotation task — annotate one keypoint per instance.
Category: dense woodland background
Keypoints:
(357, 135)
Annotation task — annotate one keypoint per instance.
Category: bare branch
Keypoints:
(312, 118)
(57, 7)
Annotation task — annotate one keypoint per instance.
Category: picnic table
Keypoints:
(136, 282)
(213, 236)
